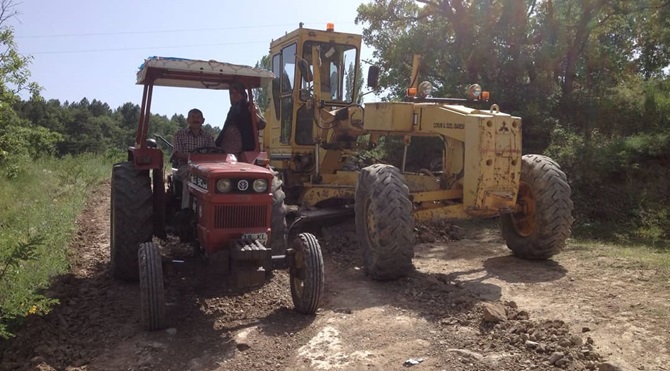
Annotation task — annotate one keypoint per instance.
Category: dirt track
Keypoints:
(575, 312)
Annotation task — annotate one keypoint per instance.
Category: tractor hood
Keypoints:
(209, 168)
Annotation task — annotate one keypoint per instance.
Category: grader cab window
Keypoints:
(276, 83)
(288, 69)
(283, 66)
(337, 69)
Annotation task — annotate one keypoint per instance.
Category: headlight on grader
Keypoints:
(260, 185)
(425, 89)
(224, 185)
(474, 91)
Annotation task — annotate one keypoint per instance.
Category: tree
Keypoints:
(14, 73)
(546, 61)
(351, 77)
(17, 136)
(262, 94)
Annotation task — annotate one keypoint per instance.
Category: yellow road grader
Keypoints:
(315, 127)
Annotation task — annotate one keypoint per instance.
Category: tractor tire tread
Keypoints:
(131, 218)
(389, 251)
(551, 192)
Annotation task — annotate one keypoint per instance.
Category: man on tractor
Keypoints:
(237, 134)
(185, 141)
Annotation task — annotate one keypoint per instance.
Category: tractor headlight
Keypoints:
(224, 185)
(260, 185)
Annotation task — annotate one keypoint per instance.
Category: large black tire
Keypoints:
(540, 230)
(306, 272)
(278, 234)
(384, 222)
(152, 291)
(131, 218)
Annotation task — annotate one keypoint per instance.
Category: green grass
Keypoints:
(643, 256)
(644, 253)
(39, 204)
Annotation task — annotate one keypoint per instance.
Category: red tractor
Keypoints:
(236, 216)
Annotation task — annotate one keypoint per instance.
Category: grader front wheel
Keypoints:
(540, 227)
(384, 223)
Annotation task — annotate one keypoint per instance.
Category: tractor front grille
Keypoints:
(240, 216)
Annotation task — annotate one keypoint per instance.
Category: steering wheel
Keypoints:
(209, 150)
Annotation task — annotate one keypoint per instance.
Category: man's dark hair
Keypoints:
(195, 110)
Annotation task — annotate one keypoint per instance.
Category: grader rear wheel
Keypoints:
(384, 223)
(540, 227)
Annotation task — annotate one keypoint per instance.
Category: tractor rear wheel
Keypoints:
(131, 218)
(306, 272)
(278, 233)
(541, 226)
(152, 291)
(384, 222)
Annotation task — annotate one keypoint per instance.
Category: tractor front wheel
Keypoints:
(541, 225)
(306, 273)
(384, 222)
(131, 218)
(152, 291)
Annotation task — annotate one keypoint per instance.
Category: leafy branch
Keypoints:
(24, 251)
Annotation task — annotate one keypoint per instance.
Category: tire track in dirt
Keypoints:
(434, 316)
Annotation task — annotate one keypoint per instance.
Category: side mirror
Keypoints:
(305, 71)
(373, 77)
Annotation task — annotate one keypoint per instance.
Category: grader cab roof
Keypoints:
(199, 74)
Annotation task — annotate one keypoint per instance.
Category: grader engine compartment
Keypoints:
(494, 158)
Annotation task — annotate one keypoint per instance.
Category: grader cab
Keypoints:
(316, 127)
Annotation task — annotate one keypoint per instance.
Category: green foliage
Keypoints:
(14, 73)
(39, 209)
(619, 184)
(262, 94)
(26, 141)
(17, 302)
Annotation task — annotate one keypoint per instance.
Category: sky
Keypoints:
(93, 49)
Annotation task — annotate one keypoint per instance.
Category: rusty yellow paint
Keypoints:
(341, 185)
(500, 150)
(315, 194)
(389, 116)
(331, 161)
(341, 178)
(422, 182)
(447, 194)
(445, 212)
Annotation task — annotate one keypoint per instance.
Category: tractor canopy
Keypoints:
(199, 74)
